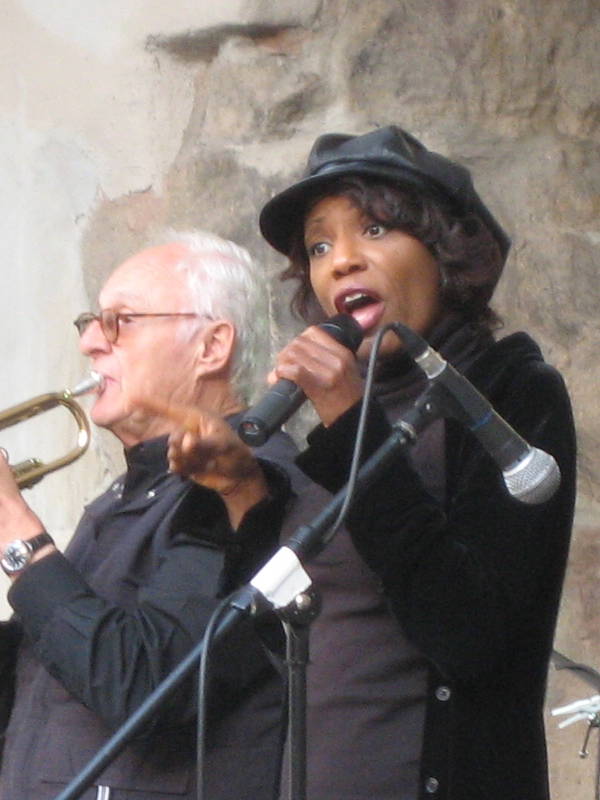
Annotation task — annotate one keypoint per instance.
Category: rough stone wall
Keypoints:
(193, 116)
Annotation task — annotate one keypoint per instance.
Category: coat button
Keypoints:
(432, 785)
(443, 693)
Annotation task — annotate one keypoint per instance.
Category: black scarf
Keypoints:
(399, 381)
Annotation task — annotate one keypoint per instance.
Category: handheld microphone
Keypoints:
(531, 475)
(285, 397)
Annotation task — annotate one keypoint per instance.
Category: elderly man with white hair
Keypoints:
(96, 630)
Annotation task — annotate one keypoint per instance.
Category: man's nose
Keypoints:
(93, 340)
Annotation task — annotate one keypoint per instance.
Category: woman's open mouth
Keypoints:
(364, 306)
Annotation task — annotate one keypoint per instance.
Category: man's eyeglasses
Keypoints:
(110, 320)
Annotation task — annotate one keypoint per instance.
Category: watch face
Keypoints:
(16, 556)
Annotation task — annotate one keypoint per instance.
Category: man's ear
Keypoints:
(214, 350)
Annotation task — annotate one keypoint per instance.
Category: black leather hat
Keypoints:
(387, 153)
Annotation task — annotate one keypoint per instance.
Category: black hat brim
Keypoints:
(282, 214)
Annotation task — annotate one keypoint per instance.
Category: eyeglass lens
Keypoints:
(108, 319)
(109, 322)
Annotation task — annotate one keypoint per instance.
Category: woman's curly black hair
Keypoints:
(468, 256)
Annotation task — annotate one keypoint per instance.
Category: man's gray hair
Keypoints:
(225, 283)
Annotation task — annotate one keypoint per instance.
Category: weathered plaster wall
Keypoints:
(120, 117)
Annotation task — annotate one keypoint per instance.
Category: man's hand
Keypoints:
(206, 449)
(17, 520)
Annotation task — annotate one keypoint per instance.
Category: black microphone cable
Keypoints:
(360, 432)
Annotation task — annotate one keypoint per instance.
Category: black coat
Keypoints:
(106, 623)
(475, 582)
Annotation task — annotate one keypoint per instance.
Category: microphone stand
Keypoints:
(296, 619)
(584, 709)
(280, 583)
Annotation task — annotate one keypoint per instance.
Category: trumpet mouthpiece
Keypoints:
(91, 383)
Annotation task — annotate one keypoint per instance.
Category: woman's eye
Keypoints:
(126, 318)
(375, 229)
(318, 249)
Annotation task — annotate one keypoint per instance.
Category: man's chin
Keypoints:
(129, 427)
(104, 417)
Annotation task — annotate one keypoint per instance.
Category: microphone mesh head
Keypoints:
(534, 479)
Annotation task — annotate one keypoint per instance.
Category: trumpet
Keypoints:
(28, 472)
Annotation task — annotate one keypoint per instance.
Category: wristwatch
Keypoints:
(18, 554)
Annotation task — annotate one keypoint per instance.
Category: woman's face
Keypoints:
(359, 267)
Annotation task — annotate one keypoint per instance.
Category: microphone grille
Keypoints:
(534, 479)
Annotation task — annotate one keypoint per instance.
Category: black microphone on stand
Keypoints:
(531, 475)
(285, 397)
